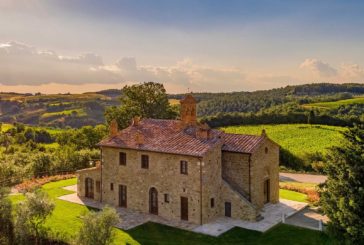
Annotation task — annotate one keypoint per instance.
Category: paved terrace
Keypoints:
(272, 214)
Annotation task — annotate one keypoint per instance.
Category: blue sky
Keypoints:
(199, 45)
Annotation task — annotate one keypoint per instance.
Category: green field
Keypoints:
(335, 104)
(299, 139)
(6, 127)
(80, 112)
(65, 221)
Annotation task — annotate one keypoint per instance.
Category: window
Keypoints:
(183, 167)
(111, 186)
(145, 161)
(122, 158)
(98, 186)
(212, 202)
(266, 150)
(166, 198)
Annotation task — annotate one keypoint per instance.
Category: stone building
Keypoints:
(183, 170)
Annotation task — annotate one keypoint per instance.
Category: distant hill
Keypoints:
(76, 110)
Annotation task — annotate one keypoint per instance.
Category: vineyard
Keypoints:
(301, 140)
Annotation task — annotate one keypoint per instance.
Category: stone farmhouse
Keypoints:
(183, 170)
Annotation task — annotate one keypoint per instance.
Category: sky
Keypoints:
(57, 46)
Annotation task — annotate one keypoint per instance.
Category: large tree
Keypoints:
(342, 195)
(148, 100)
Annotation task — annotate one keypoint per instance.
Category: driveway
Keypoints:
(304, 178)
(308, 217)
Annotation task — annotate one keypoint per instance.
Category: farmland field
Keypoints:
(335, 104)
(80, 112)
(297, 138)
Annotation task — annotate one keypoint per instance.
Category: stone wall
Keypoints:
(265, 165)
(235, 168)
(240, 207)
(211, 185)
(163, 174)
(93, 173)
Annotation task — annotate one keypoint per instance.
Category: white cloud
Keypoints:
(319, 67)
(21, 64)
(352, 71)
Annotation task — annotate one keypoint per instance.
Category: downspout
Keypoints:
(101, 167)
(200, 191)
(250, 198)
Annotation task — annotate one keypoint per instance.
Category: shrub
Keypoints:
(97, 228)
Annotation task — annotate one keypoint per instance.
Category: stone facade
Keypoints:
(233, 176)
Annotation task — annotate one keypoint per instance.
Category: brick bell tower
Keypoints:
(188, 110)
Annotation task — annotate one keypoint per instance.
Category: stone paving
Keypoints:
(272, 214)
(307, 218)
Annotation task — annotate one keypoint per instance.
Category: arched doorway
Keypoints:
(153, 201)
(89, 188)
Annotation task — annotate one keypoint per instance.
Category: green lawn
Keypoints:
(335, 104)
(66, 221)
(65, 218)
(292, 195)
(296, 138)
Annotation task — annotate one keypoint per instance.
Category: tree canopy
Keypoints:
(342, 195)
(147, 100)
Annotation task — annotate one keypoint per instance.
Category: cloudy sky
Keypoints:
(56, 46)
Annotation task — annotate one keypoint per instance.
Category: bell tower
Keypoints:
(188, 110)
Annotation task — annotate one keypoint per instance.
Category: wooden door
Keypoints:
(184, 208)
(153, 201)
(266, 191)
(123, 196)
(228, 209)
(89, 188)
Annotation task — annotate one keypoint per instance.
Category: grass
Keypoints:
(66, 221)
(152, 233)
(292, 195)
(299, 139)
(80, 112)
(335, 104)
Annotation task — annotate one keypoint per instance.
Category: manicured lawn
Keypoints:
(65, 218)
(292, 195)
(152, 233)
(66, 221)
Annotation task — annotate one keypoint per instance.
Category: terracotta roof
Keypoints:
(169, 136)
(241, 142)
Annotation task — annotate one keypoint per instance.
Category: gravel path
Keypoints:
(304, 178)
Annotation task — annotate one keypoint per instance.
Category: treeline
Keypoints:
(210, 104)
(26, 152)
(290, 113)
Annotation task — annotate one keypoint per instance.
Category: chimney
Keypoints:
(113, 128)
(264, 134)
(203, 132)
(139, 138)
(136, 120)
(188, 110)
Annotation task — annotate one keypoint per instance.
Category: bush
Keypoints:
(97, 228)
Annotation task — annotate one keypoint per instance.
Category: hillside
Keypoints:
(333, 104)
(56, 110)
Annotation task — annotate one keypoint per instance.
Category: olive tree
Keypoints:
(31, 215)
(97, 227)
